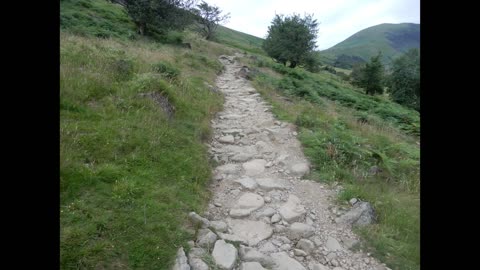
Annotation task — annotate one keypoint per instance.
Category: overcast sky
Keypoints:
(338, 19)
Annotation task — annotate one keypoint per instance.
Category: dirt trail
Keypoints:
(259, 199)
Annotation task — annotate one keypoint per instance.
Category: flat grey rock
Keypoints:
(228, 168)
(292, 210)
(247, 203)
(276, 218)
(267, 247)
(299, 169)
(241, 157)
(266, 212)
(299, 252)
(283, 262)
(247, 183)
(271, 183)
(218, 226)
(254, 167)
(252, 231)
(300, 230)
(227, 139)
(248, 254)
(233, 238)
(332, 244)
(319, 266)
(240, 213)
(224, 255)
(197, 252)
(306, 245)
(251, 266)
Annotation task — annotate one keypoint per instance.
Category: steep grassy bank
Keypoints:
(133, 117)
(344, 134)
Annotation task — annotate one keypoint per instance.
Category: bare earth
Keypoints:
(259, 194)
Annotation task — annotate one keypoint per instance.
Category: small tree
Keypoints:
(372, 79)
(159, 15)
(291, 39)
(208, 18)
(405, 79)
(357, 75)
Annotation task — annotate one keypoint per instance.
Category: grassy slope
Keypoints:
(128, 174)
(344, 133)
(242, 41)
(95, 18)
(368, 42)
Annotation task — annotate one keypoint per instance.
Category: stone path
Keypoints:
(262, 214)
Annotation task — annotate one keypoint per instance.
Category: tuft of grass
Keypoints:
(344, 133)
(166, 69)
(129, 175)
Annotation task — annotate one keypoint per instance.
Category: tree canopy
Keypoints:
(373, 76)
(208, 18)
(291, 38)
(369, 76)
(404, 81)
(159, 15)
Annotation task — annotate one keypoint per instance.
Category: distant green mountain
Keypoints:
(391, 39)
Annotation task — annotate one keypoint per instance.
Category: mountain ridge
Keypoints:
(391, 39)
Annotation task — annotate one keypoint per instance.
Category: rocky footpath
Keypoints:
(262, 214)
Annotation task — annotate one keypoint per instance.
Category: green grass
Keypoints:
(97, 18)
(344, 133)
(315, 86)
(128, 173)
(239, 40)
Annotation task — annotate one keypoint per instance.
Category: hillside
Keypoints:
(391, 39)
(242, 41)
(136, 118)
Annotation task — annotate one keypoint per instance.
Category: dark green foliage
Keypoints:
(330, 69)
(373, 76)
(208, 18)
(357, 75)
(312, 63)
(404, 82)
(291, 39)
(167, 70)
(159, 16)
(342, 75)
(369, 76)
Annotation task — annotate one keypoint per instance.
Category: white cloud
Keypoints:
(338, 19)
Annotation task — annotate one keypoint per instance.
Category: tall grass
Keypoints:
(129, 174)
